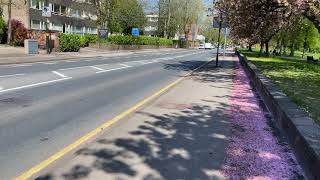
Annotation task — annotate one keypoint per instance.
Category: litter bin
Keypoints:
(31, 46)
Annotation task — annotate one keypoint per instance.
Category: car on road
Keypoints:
(208, 46)
(201, 46)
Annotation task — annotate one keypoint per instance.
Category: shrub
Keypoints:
(3, 31)
(140, 40)
(87, 39)
(69, 42)
(91, 38)
(19, 33)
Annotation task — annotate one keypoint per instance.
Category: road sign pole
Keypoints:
(47, 36)
(47, 28)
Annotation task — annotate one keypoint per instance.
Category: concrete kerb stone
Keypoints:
(302, 132)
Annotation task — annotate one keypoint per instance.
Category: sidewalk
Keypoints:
(16, 55)
(210, 126)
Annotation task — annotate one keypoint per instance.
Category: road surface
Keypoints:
(46, 106)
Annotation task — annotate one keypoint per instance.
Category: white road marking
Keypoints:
(97, 68)
(70, 61)
(125, 65)
(73, 68)
(49, 63)
(20, 65)
(90, 60)
(13, 75)
(60, 74)
(108, 70)
(33, 85)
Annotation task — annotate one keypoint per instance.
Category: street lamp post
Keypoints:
(220, 27)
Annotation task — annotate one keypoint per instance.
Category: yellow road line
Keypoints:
(37, 168)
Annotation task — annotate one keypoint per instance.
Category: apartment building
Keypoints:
(68, 16)
(151, 26)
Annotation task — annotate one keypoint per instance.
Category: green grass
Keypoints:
(298, 79)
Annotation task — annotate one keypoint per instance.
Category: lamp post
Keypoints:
(218, 16)
(220, 27)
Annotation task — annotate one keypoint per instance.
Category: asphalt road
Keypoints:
(46, 106)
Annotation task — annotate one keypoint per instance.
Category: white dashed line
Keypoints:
(48, 63)
(33, 85)
(20, 65)
(70, 61)
(97, 68)
(13, 75)
(59, 74)
(108, 70)
(125, 65)
(73, 68)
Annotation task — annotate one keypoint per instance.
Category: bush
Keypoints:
(69, 42)
(19, 33)
(3, 31)
(87, 39)
(140, 40)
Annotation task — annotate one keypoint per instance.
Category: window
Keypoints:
(75, 13)
(39, 25)
(56, 8)
(57, 26)
(63, 10)
(36, 4)
(35, 24)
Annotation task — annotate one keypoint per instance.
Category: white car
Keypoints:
(208, 46)
(201, 46)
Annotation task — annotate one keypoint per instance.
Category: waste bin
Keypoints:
(31, 46)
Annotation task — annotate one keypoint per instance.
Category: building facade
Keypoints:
(151, 26)
(68, 16)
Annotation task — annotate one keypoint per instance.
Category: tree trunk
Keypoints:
(267, 48)
(9, 22)
(261, 47)
(250, 47)
(292, 50)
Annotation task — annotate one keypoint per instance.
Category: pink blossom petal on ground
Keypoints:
(253, 152)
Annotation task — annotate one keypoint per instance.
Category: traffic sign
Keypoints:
(46, 11)
(135, 32)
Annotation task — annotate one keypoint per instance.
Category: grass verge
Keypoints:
(298, 79)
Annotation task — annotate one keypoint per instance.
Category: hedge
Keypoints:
(87, 39)
(3, 31)
(69, 42)
(140, 40)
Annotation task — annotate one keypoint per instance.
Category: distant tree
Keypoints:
(119, 16)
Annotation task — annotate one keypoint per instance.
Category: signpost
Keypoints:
(46, 12)
(103, 33)
(135, 32)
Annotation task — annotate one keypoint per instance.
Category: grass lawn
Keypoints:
(299, 79)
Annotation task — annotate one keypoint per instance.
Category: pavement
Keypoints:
(202, 128)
